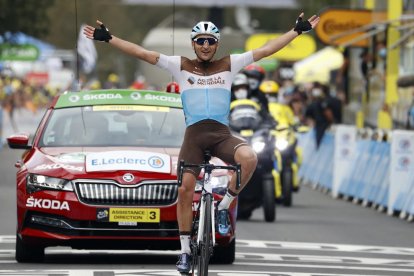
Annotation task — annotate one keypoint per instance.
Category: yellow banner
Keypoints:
(301, 47)
(130, 107)
(134, 215)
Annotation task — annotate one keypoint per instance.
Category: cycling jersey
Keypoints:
(205, 86)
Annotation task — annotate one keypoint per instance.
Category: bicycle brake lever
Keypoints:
(180, 173)
(238, 172)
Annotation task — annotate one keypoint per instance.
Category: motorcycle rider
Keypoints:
(282, 113)
(205, 92)
(255, 75)
(240, 88)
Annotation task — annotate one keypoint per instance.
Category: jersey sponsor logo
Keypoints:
(211, 81)
(47, 204)
(191, 80)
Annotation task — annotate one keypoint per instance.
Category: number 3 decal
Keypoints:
(153, 215)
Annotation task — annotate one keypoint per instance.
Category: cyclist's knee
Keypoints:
(185, 192)
(246, 157)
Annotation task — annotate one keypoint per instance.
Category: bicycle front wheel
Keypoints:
(206, 243)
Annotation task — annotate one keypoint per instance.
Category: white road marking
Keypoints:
(166, 272)
(371, 268)
(326, 259)
(257, 261)
(326, 247)
(7, 239)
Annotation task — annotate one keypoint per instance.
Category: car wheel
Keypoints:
(28, 253)
(224, 254)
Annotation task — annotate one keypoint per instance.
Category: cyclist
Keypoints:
(205, 92)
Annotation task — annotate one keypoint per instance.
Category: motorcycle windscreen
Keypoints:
(244, 117)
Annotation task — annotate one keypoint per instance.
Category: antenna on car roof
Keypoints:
(173, 34)
(76, 85)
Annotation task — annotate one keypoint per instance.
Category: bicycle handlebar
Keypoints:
(209, 168)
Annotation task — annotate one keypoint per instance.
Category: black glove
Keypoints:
(102, 34)
(302, 26)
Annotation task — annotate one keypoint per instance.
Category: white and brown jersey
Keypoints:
(205, 87)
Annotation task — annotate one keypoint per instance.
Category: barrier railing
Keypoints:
(372, 168)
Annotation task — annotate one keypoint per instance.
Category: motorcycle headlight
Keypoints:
(258, 144)
(281, 144)
(36, 182)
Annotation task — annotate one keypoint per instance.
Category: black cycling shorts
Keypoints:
(208, 135)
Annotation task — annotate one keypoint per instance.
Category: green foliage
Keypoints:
(27, 16)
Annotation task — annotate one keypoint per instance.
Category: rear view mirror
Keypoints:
(19, 141)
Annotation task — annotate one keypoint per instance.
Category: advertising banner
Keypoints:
(345, 145)
(402, 164)
(341, 21)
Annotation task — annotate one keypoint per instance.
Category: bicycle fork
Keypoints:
(207, 189)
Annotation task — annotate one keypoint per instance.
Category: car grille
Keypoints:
(153, 193)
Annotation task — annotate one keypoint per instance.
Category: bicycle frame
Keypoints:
(200, 247)
(207, 189)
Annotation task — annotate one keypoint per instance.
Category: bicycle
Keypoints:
(203, 230)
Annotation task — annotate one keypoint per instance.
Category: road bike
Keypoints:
(203, 226)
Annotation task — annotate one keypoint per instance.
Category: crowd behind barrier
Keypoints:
(370, 167)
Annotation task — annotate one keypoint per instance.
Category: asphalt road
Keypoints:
(318, 235)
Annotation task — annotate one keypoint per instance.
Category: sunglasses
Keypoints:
(202, 40)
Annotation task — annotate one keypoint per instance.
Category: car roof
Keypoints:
(118, 97)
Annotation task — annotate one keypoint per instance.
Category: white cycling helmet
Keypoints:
(205, 27)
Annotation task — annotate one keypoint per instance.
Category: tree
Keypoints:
(29, 17)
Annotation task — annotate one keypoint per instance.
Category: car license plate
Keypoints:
(142, 215)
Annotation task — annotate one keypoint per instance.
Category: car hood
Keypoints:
(104, 163)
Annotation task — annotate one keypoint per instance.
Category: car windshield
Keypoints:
(118, 125)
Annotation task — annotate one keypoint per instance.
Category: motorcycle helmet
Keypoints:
(240, 87)
(206, 28)
(173, 87)
(269, 87)
(255, 73)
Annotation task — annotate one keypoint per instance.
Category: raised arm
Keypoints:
(132, 49)
(274, 45)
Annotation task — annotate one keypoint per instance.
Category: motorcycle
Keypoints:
(288, 150)
(246, 122)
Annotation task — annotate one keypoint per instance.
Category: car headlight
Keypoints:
(36, 182)
(281, 144)
(258, 144)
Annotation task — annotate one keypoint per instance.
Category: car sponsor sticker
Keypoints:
(129, 216)
(131, 108)
(45, 167)
(47, 204)
(118, 97)
(74, 157)
(128, 160)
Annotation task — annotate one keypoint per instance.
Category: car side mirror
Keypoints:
(19, 141)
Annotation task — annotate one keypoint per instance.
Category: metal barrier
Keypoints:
(370, 167)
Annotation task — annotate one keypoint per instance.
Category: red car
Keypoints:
(100, 173)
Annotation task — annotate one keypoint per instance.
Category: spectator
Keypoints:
(319, 113)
